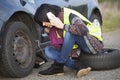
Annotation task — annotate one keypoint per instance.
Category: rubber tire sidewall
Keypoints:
(7, 62)
(103, 61)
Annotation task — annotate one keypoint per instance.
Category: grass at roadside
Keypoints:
(111, 15)
(111, 23)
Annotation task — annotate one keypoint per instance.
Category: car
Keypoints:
(21, 37)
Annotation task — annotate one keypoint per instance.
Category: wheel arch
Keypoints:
(27, 19)
(93, 8)
(96, 11)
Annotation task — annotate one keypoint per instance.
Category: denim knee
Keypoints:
(49, 53)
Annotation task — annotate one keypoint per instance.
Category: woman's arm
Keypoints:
(77, 27)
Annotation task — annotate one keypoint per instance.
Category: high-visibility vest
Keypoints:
(94, 30)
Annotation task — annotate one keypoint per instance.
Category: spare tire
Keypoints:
(107, 59)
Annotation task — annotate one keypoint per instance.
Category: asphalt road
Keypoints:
(111, 40)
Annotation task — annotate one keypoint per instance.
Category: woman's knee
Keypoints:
(49, 52)
(69, 36)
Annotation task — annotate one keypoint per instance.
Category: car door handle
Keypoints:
(22, 2)
(66, 0)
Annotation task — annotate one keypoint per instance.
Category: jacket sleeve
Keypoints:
(76, 27)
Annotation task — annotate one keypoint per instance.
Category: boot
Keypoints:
(81, 70)
(54, 69)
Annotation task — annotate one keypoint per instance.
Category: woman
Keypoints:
(76, 33)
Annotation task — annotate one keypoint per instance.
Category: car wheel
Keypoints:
(107, 59)
(18, 52)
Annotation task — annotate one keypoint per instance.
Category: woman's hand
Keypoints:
(47, 30)
(55, 21)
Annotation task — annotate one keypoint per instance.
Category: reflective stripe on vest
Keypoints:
(58, 35)
(93, 29)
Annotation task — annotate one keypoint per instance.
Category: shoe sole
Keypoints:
(58, 74)
(83, 72)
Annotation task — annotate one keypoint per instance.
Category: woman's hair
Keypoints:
(41, 11)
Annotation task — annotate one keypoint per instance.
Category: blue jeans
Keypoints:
(62, 55)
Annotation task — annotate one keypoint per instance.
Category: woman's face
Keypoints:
(47, 24)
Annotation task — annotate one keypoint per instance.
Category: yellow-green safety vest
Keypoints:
(94, 30)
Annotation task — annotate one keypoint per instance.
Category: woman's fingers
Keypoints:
(55, 21)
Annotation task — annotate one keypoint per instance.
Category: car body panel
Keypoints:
(92, 7)
(85, 7)
(61, 3)
(80, 6)
(8, 8)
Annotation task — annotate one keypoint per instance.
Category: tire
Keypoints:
(107, 59)
(17, 56)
